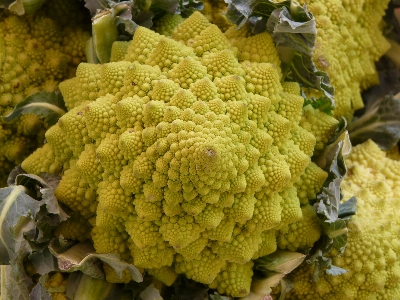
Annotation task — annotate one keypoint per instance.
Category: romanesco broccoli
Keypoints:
(36, 53)
(349, 41)
(373, 248)
(194, 169)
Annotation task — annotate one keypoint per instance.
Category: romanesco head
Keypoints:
(349, 42)
(194, 169)
(372, 253)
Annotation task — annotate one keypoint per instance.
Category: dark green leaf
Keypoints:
(48, 105)
(332, 161)
(294, 32)
(323, 104)
(328, 204)
(169, 6)
(337, 231)
(348, 208)
(142, 18)
(131, 26)
(252, 11)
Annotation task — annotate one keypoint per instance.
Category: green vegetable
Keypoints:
(163, 137)
(371, 257)
(36, 53)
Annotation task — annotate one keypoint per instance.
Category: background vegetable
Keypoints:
(371, 257)
(36, 53)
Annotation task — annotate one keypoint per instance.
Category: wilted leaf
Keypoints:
(82, 257)
(48, 105)
(39, 292)
(95, 5)
(28, 210)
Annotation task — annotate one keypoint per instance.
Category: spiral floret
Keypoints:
(187, 160)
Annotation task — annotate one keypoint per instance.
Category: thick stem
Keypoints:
(93, 289)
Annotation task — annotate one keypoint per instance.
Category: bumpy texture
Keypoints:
(57, 282)
(36, 53)
(74, 228)
(372, 255)
(349, 41)
(194, 168)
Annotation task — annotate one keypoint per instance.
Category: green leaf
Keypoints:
(294, 32)
(380, 122)
(254, 12)
(328, 206)
(332, 161)
(337, 232)
(104, 33)
(118, 20)
(48, 105)
(348, 208)
(323, 104)
(14, 283)
(261, 286)
(28, 210)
